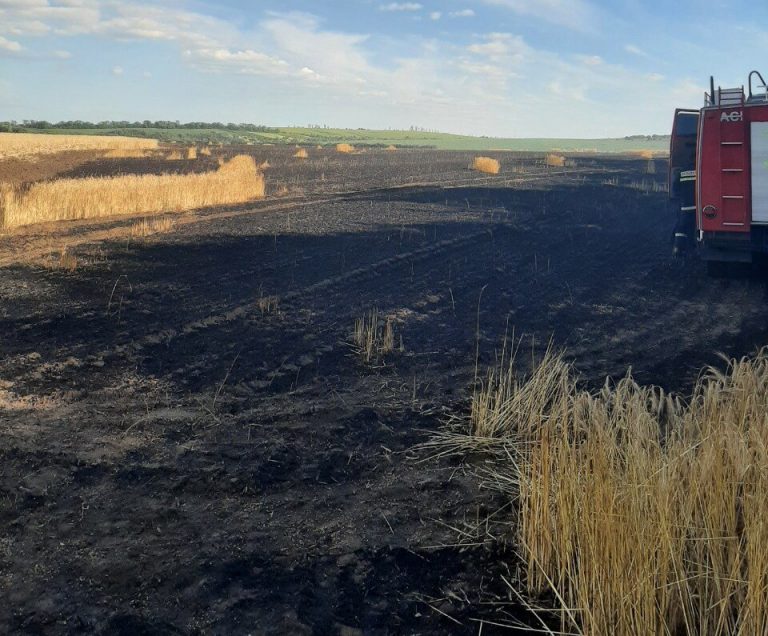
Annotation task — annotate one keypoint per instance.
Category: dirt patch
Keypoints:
(17, 170)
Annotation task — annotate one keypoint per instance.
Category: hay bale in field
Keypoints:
(301, 153)
(486, 165)
(345, 148)
(645, 154)
(391, 148)
(554, 161)
(205, 151)
(174, 155)
(191, 152)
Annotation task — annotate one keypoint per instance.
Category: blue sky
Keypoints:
(522, 68)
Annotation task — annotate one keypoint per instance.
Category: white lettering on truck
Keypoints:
(733, 116)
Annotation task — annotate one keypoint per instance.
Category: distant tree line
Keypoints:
(33, 124)
(646, 137)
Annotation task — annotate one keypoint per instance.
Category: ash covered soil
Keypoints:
(190, 445)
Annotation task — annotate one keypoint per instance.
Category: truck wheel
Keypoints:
(716, 269)
(726, 269)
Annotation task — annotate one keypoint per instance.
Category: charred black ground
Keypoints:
(179, 458)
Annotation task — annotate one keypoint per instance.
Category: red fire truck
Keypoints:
(718, 174)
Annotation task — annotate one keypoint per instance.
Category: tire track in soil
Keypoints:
(355, 277)
(670, 325)
(211, 294)
(191, 300)
(533, 289)
(169, 340)
(300, 343)
(76, 233)
(601, 344)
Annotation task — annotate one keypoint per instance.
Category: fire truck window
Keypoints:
(686, 125)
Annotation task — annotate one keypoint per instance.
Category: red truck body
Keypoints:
(728, 180)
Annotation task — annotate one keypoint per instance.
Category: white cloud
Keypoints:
(492, 83)
(464, 13)
(62, 55)
(117, 71)
(41, 17)
(401, 6)
(300, 41)
(435, 15)
(567, 91)
(245, 61)
(9, 46)
(687, 92)
(114, 18)
(578, 15)
(498, 45)
(491, 71)
(490, 48)
(590, 60)
(635, 50)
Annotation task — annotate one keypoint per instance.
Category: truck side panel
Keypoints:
(759, 160)
(723, 171)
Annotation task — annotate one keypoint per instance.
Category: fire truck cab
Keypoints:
(718, 174)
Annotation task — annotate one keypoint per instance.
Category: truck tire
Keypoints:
(727, 269)
(717, 269)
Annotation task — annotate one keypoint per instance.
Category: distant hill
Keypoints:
(647, 138)
(202, 132)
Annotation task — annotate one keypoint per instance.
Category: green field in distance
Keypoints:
(330, 136)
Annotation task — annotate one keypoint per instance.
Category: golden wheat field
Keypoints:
(29, 145)
(640, 513)
(236, 181)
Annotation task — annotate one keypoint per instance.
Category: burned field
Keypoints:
(192, 444)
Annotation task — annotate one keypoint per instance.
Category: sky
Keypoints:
(514, 68)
